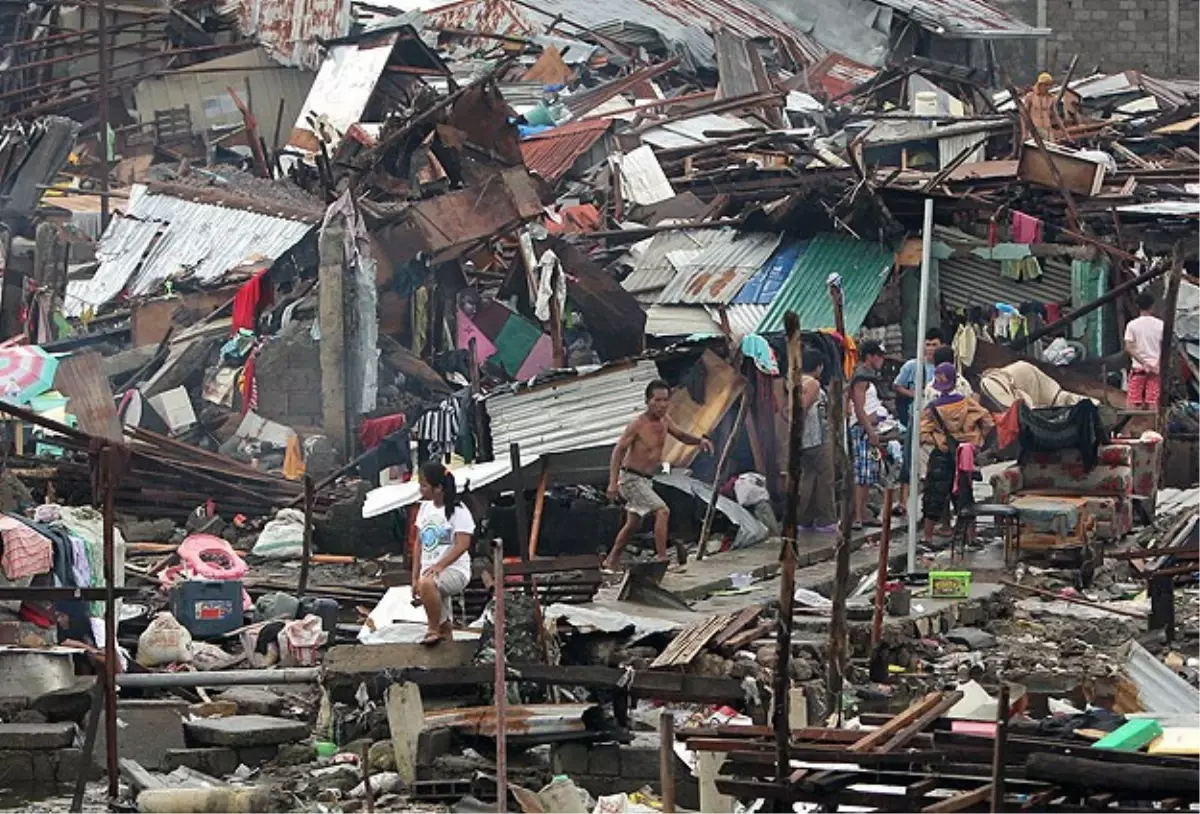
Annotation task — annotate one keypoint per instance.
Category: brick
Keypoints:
(433, 743)
(1082, 14)
(71, 763)
(1100, 14)
(1127, 4)
(18, 767)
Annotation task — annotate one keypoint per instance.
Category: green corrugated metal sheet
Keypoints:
(864, 266)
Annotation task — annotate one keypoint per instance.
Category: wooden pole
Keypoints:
(841, 580)
(501, 697)
(539, 504)
(885, 539)
(666, 760)
(519, 508)
(1166, 359)
(781, 685)
(309, 500)
(998, 745)
(558, 351)
(738, 422)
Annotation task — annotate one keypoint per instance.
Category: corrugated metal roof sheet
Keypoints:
(717, 273)
(969, 281)
(552, 152)
(743, 317)
(684, 23)
(587, 411)
(964, 19)
(690, 132)
(864, 267)
(290, 30)
(643, 181)
(680, 320)
(766, 282)
(161, 237)
(654, 271)
(1159, 688)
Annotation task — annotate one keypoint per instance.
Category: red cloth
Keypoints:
(249, 385)
(1008, 425)
(1026, 228)
(373, 430)
(1053, 312)
(257, 293)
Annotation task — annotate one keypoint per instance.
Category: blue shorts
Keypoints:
(863, 457)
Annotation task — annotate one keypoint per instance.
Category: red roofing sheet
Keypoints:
(552, 152)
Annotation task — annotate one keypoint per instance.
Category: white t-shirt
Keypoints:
(1145, 335)
(435, 534)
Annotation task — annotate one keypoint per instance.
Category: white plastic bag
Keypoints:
(164, 641)
(283, 537)
(299, 641)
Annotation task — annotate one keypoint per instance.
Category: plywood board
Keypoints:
(722, 386)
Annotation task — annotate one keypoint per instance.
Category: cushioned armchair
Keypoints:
(1124, 469)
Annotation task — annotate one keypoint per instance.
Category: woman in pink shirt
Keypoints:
(1143, 342)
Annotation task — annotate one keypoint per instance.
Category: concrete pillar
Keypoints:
(711, 800)
(331, 314)
(1041, 43)
(406, 719)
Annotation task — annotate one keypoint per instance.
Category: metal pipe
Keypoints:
(102, 65)
(914, 467)
(110, 622)
(501, 677)
(225, 678)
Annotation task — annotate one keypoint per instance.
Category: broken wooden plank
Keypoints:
(738, 624)
(960, 801)
(691, 640)
(921, 721)
(896, 724)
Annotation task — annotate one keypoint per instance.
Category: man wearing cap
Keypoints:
(865, 411)
(1043, 110)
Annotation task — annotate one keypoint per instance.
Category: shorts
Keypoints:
(1143, 388)
(864, 457)
(450, 583)
(637, 491)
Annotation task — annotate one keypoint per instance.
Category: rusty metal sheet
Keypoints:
(526, 719)
(446, 226)
(291, 30)
(717, 273)
(553, 152)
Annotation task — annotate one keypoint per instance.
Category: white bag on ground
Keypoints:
(283, 537)
(299, 641)
(164, 641)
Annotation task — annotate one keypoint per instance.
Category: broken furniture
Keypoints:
(1108, 487)
(1006, 518)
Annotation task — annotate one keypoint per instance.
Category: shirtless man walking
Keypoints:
(631, 470)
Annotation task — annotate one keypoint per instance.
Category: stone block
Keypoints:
(253, 700)
(605, 758)
(569, 758)
(639, 762)
(145, 730)
(255, 756)
(37, 737)
(1100, 14)
(432, 743)
(216, 761)
(244, 731)
(1126, 25)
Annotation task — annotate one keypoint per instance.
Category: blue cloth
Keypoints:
(907, 377)
(757, 349)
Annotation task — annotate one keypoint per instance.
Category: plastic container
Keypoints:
(208, 608)
(949, 584)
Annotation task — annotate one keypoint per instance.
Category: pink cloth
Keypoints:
(964, 461)
(1143, 338)
(26, 553)
(1026, 228)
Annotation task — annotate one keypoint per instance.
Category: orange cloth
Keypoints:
(293, 459)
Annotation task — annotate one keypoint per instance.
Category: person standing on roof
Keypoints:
(1143, 341)
(635, 460)
(1043, 110)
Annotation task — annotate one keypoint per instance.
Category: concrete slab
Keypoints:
(214, 760)
(254, 700)
(145, 730)
(244, 731)
(31, 737)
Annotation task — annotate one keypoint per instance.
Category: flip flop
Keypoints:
(432, 638)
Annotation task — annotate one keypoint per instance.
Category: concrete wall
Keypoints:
(1159, 37)
(289, 379)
